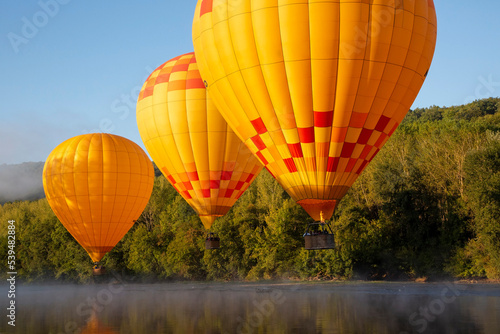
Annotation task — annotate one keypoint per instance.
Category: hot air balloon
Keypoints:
(314, 88)
(191, 143)
(98, 185)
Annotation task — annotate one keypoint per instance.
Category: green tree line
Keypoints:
(428, 205)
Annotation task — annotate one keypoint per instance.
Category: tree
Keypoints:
(483, 193)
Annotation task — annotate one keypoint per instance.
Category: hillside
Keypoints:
(427, 206)
(21, 182)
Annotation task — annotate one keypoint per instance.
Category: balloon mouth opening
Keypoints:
(96, 253)
(319, 209)
(208, 220)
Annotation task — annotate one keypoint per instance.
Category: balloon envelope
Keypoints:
(98, 185)
(191, 142)
(314, 88)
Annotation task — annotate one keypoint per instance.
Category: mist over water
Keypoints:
(354, 307)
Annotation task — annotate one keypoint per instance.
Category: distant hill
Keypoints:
(468, 112)
(21, 182)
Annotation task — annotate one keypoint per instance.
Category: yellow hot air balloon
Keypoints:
(98, 185)
(314, 87)
(190, 142)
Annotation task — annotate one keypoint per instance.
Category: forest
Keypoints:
(428, 206)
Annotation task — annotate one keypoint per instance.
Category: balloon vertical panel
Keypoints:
(314, 88)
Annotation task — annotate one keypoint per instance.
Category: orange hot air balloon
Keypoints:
(190, 142)
(98, 185)
(314, 88)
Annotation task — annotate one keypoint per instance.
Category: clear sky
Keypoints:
(76, 66)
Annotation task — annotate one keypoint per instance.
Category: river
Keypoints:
(121, 306)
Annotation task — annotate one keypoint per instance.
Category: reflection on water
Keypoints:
(223, 308)
(95, 326)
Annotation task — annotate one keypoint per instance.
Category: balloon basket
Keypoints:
(212, 241)
(98, 270)
(320, 238)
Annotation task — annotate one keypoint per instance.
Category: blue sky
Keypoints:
(71, 66)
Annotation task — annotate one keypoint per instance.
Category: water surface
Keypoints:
(352, 307)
